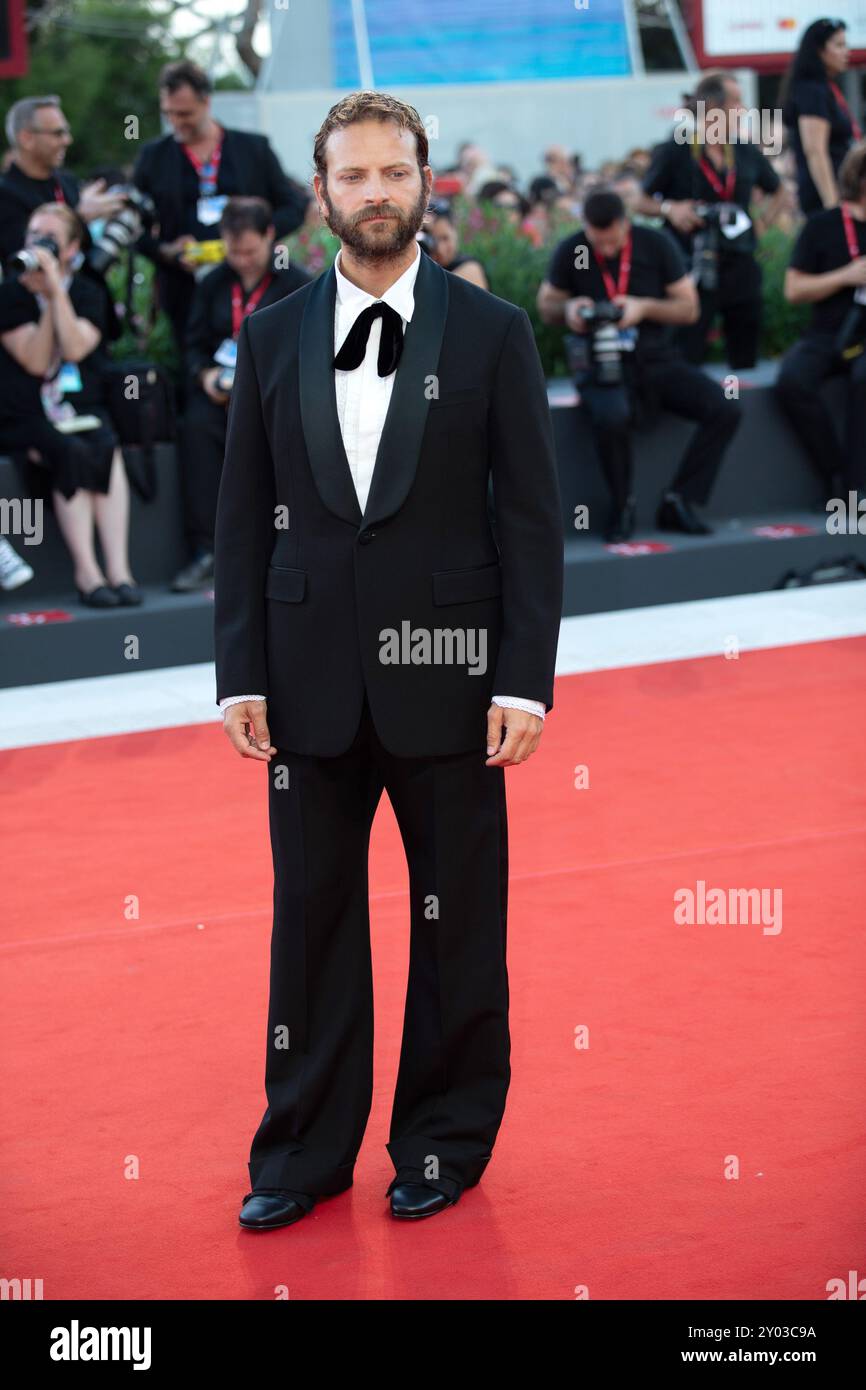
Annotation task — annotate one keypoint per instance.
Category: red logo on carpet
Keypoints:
(36, 616)
(782, 530)
(638, 548)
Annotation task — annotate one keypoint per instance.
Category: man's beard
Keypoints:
(386, 243)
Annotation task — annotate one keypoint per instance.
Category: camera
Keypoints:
(708, 241)
(851, 339)
(24, 260)
(122, 229)
(205, 253)
(601, 319)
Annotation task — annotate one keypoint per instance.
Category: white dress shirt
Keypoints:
(362, 404)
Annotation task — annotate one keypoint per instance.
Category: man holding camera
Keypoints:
(39, 137)
(621, 290)
(828, 271)
(702, 182)
(247, 280)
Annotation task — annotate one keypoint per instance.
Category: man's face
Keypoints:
(48, 136)
(249, 253)
(608, 241)
(45, 224)
(375, 198)
(186, 112)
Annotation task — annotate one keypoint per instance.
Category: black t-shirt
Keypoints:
(19, 389)
(656, 263)
(810, 97)
(822, 246)
(210, 319)
(675, 172)
(20, 196)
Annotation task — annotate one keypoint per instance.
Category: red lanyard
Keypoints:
(241, 309)
(844, 107)
(850, 233)
(208, 171)
(58, 192)
(725, 192)
(624, 270)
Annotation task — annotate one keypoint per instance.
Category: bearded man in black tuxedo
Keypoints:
(374, 631)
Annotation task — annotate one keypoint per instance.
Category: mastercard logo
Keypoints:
(787, 23)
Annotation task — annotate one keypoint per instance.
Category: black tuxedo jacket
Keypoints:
(307, 590)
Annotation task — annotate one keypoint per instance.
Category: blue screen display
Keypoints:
(441, 41)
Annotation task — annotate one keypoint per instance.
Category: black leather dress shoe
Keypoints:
(412, 1200)
(101, 597)
(195, 575)
(676, 514)
(620, 526)
(264, 1211)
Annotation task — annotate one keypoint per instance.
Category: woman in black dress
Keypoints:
(53, 325)
(815, 110)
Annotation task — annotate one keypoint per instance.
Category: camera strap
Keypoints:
(621, 287)
(242, 307)
(846, 110)
(850, 232)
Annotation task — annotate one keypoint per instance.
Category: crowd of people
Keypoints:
(659, 248)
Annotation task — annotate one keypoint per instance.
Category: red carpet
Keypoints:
(141, 1042)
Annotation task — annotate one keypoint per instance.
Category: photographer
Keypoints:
(828, 270)
(247, 280)
(703, 187)
(190, 173)
(627, 367)
(54, 323)
(39, 137)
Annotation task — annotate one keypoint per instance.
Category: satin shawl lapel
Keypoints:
(405, 422)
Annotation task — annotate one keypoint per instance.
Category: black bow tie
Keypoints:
(354, 349)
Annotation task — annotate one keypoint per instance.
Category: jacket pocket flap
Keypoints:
(285, 584)
(463, 586)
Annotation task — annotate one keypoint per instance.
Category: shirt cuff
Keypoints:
(238, 699)
(514, 702)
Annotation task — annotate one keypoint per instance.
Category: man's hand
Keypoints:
(522, 735)
(95, 201)
(572, 316)
(208, 381)
(683, 216)
(247, 728)
(633, 310)
(854, 273)
(171, 252)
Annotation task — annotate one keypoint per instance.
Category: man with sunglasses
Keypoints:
(39, 136)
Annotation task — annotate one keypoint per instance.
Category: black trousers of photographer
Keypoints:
(203, 442)
(805, 367)
(739, 303)
(669, 384)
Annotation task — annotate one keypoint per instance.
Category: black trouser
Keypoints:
(673, 385)
(836, 458)
(203, 442)
(455, 1060)
(738, 300)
